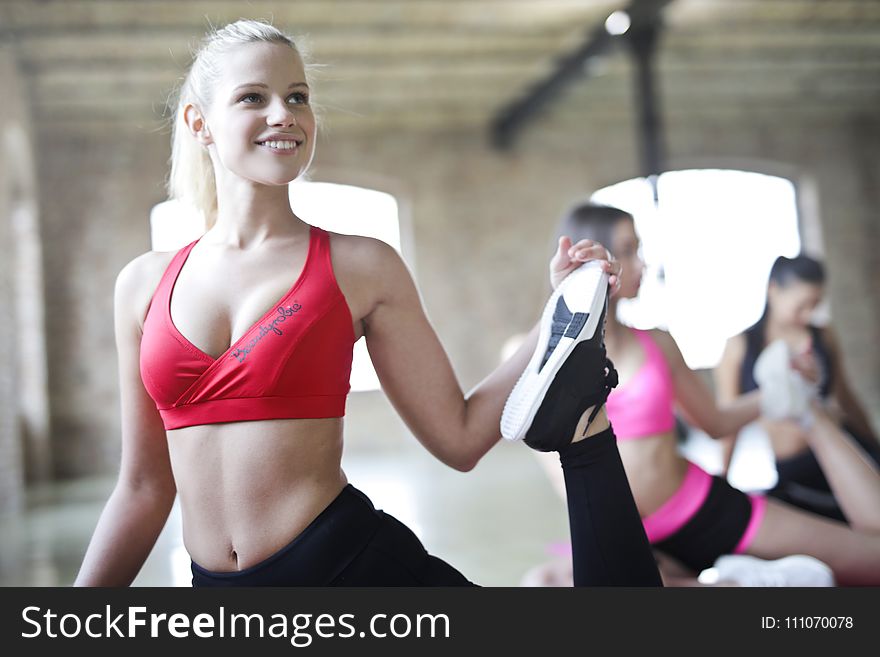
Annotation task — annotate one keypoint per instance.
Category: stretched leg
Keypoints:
(854, 478)
(394, 556)
(802, 469)
(609, 545)
(868, 442)
(820, 502)
(852, 555)
(569, 372)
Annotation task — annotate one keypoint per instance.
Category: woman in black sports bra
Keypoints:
(794, 291)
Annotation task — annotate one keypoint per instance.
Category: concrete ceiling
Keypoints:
(451, 64)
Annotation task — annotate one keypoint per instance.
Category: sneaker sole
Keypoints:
(584, 291)
(793, 570)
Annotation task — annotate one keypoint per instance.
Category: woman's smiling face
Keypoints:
(260, 122)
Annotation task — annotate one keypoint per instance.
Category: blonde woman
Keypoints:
(235, 354)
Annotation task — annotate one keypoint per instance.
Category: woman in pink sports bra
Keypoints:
(690, 517)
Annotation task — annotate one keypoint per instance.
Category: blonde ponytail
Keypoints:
(191, 175)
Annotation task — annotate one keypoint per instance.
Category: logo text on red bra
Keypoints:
(283, 313)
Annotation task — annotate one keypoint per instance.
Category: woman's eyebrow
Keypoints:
(264, 86)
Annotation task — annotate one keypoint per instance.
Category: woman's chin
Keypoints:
(276, 181)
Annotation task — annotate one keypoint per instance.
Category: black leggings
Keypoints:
(351, 543)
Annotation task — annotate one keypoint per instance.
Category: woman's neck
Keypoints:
(248, 214)
(775, 329)
(613, 328)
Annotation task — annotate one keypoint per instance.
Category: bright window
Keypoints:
(708, 248)
(354, 211)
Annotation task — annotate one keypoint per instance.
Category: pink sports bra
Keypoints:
(643, 406)
(294, 362)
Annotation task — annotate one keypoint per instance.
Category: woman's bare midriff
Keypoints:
(655, 469)
(247, 489)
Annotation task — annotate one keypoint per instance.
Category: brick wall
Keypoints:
(98, 189)
(481, 226)
(11, 461)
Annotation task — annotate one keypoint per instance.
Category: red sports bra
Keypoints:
(294, 362)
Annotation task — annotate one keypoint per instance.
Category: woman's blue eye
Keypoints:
(301, 98)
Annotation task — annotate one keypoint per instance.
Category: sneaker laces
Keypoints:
(608, 384)
(611, 379)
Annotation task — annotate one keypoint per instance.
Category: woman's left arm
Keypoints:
(418, 378)
(846, 399)
(416, 373)
(696, 400)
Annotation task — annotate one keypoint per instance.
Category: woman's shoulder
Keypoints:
(137, 281)
(664, 341)
(737, 343)
(361, 254)
(661, 338)
(351, 245)
(665, 345)
(144, 269)
(369, 271)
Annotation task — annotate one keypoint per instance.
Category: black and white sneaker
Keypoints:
(569, 371)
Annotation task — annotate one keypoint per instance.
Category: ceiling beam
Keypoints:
(510, 119)
(195, 15)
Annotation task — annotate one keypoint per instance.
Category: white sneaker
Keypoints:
(784, 392)
(569, 371)
(746, 570)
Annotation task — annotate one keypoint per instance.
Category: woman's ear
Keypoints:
(197, 125)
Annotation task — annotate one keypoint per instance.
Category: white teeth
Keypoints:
(283, 145)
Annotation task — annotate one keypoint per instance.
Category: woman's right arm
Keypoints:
(145, 490)
(726, 376)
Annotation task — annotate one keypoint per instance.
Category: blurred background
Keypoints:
(459, 131)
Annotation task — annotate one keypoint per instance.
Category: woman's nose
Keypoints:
(281, 115)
